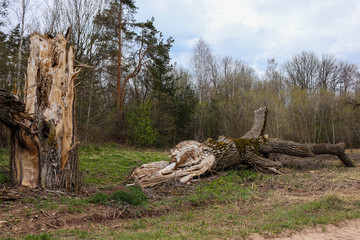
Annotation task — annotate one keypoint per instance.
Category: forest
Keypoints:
(129, 91)
(91, 101)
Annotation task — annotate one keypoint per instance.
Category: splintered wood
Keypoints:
(43, 135)
(49, 87)
(187, 159)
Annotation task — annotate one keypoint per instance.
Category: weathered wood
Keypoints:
(12, 111)
(191, 158)
(232, 152)
(273, 145)
(259, 125)
(225, 153)
(187, 159)
(44, 152)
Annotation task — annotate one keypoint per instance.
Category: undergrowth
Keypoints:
(134, 196)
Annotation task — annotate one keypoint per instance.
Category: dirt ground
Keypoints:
(26, 211)
(348, 230)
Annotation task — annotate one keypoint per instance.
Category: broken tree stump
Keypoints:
(43, 136)
(190, 158)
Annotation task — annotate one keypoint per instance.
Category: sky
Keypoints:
(254, 31)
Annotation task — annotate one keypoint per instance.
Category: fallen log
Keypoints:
(191, 158)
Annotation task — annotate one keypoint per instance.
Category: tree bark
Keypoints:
(191, 158)
(43, 145)
(273, 145)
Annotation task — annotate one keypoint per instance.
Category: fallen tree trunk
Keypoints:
(43, 139)
(273, 145)
(190, 158)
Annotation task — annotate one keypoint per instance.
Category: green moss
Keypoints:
(51, 139)
(48, 133)
(243, 144)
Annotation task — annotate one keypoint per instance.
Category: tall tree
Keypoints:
(3, 10)
(302, 70)
(117, 23)
(204, 68)
(22, 10)
(126, 44)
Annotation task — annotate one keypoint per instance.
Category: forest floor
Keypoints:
(238, 204)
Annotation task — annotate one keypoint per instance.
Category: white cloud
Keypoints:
(255, 30)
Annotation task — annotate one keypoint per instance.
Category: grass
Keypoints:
(230, 186)
(134, 196)
(226, 221)
(110, 163)
(232, 204)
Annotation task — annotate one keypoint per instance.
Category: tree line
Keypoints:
(130, 92)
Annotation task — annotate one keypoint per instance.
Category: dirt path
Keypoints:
(348, 230)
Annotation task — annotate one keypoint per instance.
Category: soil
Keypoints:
(348, 230)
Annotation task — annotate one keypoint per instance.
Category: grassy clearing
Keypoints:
(110, 163)
(231, 204)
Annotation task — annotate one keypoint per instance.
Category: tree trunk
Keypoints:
(18, 81)
(191, 158)
(119, 62)
(43, 145)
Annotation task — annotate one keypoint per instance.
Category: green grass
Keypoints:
(230, 186)
(102, 165)
(133, 196)
(110, 163)
(4, 158)
(4, 165)
(230, 205)
(231, 220)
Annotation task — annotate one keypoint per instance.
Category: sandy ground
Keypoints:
(348, 230)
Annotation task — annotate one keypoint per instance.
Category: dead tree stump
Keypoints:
(43, 145)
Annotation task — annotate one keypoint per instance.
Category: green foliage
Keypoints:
(141, 126)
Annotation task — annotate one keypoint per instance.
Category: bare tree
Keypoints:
(25, 12)
(204, 69)
(302, 70)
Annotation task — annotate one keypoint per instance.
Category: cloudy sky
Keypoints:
(256, 30)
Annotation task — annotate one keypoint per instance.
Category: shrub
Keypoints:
(100, 198)
(141, 126)
(134, 197)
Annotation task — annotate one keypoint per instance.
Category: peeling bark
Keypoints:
(44, 152)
